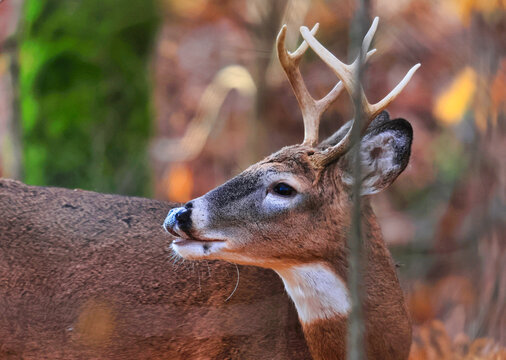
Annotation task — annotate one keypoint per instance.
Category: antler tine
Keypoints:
(383, 103)
(366, 43)
(297, 54)
(343, 71)
(311, 109)
(347, 74)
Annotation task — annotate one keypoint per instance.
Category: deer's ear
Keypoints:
(384, 153)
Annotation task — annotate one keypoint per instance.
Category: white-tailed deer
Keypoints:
(290, 213)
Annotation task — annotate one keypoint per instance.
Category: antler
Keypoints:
(347, 74)
(311, 109)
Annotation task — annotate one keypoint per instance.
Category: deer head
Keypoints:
(292, 207)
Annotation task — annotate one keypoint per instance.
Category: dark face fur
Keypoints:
(282, 210)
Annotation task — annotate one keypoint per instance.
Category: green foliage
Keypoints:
(85, 93)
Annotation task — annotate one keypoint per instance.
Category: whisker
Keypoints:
(198, 274)
(236, 284)
(208, 268)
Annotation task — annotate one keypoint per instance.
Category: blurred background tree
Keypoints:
(85, 93)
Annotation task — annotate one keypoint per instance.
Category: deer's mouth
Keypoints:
(188, 237)
(191, 239)
(192, 248)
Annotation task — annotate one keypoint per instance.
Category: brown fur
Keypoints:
(88, 276)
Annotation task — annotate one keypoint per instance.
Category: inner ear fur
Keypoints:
(384, 151)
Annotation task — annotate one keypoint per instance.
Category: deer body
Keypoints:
(88, 276)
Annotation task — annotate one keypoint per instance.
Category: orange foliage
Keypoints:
(431, 342)
(453, 102)
(488, 8)
(427, 302)
(498, 93)
(179, 183)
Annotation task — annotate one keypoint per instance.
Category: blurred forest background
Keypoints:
(168, 99)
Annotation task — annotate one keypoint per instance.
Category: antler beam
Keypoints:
(347, 74)
(311, 109)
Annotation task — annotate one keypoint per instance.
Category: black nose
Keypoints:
(183, 218)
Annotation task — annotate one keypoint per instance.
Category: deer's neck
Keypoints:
(321, 296)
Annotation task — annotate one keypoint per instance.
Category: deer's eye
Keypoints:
(284, 189)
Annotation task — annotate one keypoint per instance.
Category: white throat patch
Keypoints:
(317, 291)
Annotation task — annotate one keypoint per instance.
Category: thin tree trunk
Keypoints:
(356, 329)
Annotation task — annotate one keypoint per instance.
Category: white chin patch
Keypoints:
(195, 250)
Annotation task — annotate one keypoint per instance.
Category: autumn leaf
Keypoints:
(498, 93)
(179, 183)
(4, 64)
(432, 342)
(187, 9)
(465, 8)
(453, 102)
